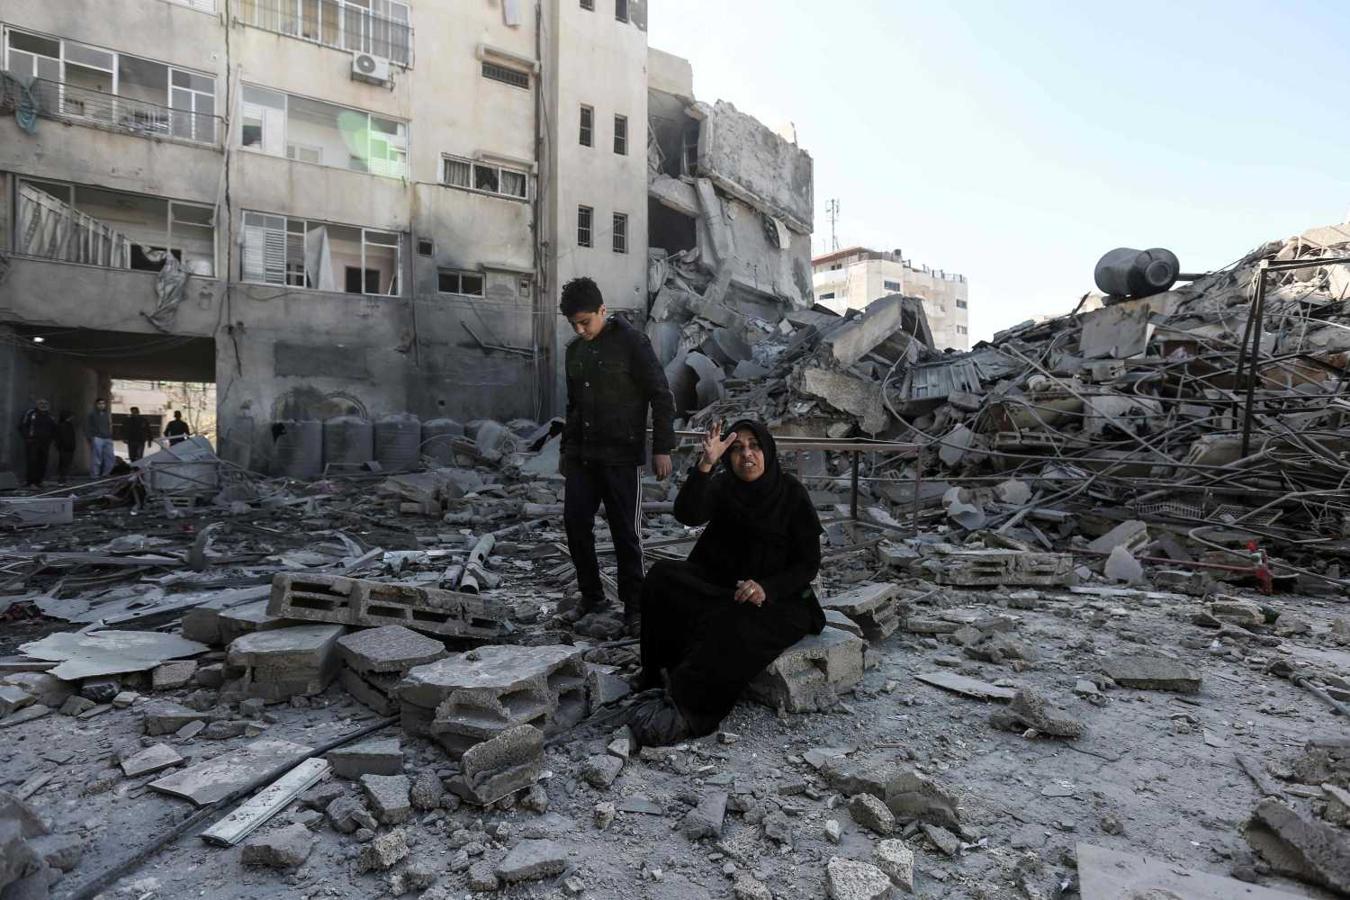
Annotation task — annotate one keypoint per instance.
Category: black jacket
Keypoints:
(38, 426)
(610, 383)
(136, 429)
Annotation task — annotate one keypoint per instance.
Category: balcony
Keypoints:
(85, 106)
(377, 27)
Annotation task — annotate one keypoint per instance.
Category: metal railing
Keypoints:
(332, 23)
(70, 103)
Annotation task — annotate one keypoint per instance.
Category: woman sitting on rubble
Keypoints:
(712, 623)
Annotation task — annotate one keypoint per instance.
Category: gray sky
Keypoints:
(1017, 142)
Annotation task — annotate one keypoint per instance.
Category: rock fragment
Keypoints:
(849, 879)
(284, 848)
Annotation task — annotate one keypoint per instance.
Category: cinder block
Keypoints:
(811, 674)
(376, 659)
(471, 697)
(507, 763)
(355, 601)
(875, 607)
(287, 662)
(980, 568)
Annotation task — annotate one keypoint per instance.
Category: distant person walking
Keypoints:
(177, 431)
(137, 431)
(98, 434)
(65, 444)
(39, 430)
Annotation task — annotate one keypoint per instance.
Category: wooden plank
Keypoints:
(266, 803)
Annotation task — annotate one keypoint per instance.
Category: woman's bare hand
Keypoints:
(749, 591)
(714, 445)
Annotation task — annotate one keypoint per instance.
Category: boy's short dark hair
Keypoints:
(581, 295)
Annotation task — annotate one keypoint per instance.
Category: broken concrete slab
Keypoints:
(906, 793)
(896, 859)
(856, 338)
(91, 654)
(1122, 566)
(214, 779)
(389, 648)
(383, 852)
(967, 686)
(705, 819)
(389, 797)
(870, 813)
(152, 759)
(874, 607)
(997, 568)
(165, 717)
(1131, 534)
(531, 860)
(493, 769)
(812, 673)
(1308, 850)
(1152, 671)
(858, 397)
(374, 756)
(14, 698)
(463, 699)
(1111, 875)
(848, 879)
(1031, 710)
(173, 675)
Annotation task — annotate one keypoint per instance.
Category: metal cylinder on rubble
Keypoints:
(398, 439)
(348, 441)
(437, 440)
(297, 451)
(1125, 272)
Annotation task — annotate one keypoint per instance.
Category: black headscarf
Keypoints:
(758, 504)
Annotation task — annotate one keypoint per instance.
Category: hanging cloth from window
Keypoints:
(319, 260)
(18, 93)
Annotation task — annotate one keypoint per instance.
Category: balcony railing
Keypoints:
(332, 23)
(69, 103)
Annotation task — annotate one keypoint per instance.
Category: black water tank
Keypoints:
(1125, 272)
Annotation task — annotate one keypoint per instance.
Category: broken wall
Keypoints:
(745, 158)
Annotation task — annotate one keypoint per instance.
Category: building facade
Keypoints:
(320, 206)
(852, 278)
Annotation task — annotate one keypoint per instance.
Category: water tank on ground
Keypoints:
(436, 439)
(1125, 272)
(348, 442)
(297, 451)
(398, 440)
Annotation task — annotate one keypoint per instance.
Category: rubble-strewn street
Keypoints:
(1081, 638)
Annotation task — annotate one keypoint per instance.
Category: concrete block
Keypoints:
(354, 601)
(383, 852)
(897, 861)
(906, 793)
(872, 814)
(531, 860)
(705, 820)
(287, 662)
(427, 791)
(1152, 671)
(388, 796)
(284, 848)
(232, 624)
(600, 771)
(377, 756)
(48, 689)
(173, 675)
(163, 717)
(874, 607)
(1301, 848)
(346, 814)
(471, 697)
(14, 698)
(848, 879)
(152, 759)
(389, 648)
(812, 673)
(495, 768)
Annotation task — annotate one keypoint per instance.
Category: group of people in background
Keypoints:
(41, 432)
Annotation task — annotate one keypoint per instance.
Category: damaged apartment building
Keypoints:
(326, 208)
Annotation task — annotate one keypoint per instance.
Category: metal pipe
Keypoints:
(1258, 312)
(853, 489)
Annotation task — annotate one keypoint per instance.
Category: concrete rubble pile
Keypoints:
(1076, 640)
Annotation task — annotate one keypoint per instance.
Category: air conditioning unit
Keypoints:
(370, 68)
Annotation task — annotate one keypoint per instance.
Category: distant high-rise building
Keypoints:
(854, 277)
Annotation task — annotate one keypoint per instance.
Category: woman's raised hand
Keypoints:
(714, 445)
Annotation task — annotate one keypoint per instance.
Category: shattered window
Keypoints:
(584, 214)
(301, 253)
(322, 133)
(485, 178)
(620, 232)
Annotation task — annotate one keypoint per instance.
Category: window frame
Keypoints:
(507, 75)
(586, 129)
(620, 138)
(621, 11)
(619, 233)
(448, 159)
(962, 304)
(588, 229)
(891, 286)
(287, 231)
(393, 150)
(459, 275)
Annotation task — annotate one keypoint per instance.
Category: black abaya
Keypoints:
(709, 645)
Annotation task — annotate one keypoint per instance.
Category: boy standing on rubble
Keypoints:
(613, 376)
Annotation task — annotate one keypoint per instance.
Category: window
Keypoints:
(587, 126)
(96, 227)
(836, 267)
(621, 10)
(588, 4)
(513, 77)
(114, 90)
(322, 133)
(829, 296)
(961, 304)
(377, 27)
(488, 178)
(621, 135)
(426, 247)
(301, 253)
(961, 329)
(891, 285)
(620, 232)
(469, 284)
(584, 216)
